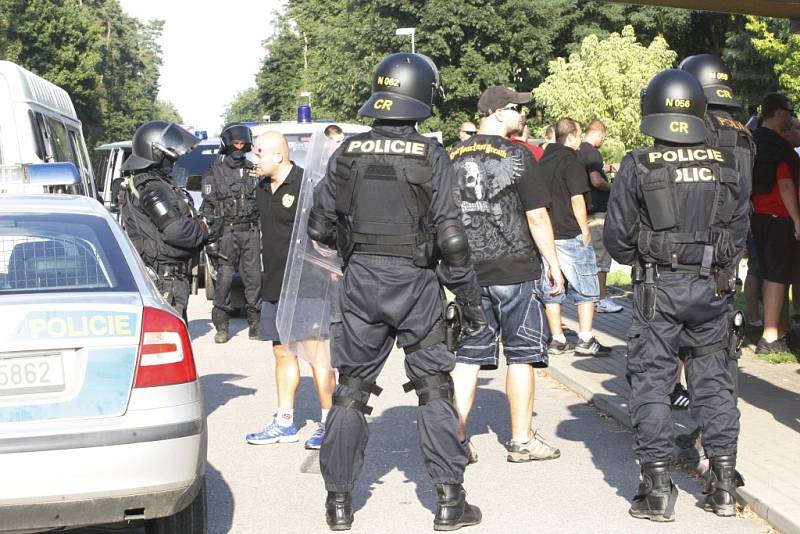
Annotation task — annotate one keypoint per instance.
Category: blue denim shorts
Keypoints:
(579, 267)
(515, 315)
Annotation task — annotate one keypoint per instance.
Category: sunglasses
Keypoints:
(791, 111)
(469, 132)
(512, 107)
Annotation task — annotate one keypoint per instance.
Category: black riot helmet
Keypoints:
(403, 88)
(235, 132)
(715, 77)
(157, 141)
(673, 106)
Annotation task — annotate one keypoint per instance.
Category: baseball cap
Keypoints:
(497, 96)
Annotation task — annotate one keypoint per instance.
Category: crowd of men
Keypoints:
(511, 230)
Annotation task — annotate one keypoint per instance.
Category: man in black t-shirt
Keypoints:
(599, 188)
(504, 205)
(277, 196)
(566, 180)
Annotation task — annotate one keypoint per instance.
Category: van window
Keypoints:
(42, 137)
(58, 136)
(102, 169)
(80, 163)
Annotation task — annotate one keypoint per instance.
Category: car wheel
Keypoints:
(209, 285)
(190, 520)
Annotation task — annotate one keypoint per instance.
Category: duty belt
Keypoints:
(176, 270)
(240, 226)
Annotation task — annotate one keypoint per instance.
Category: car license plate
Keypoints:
(36, 373)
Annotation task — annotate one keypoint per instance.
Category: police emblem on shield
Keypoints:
(207, 189)
(310, 289)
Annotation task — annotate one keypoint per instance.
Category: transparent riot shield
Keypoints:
(309, 295)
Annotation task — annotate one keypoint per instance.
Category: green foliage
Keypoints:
(106, 60)
(603, 81)
(245, 106)
(613, 150)
(776, 43)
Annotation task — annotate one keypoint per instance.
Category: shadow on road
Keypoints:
(219, 388)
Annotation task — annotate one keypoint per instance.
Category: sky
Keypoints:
(211, 50)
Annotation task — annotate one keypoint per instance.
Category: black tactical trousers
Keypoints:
(175, 290)
(688, 314)
(243, 250)
(383, 298)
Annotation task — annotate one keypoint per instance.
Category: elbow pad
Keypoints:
(321, 229)
(452, 242)
(156, 204)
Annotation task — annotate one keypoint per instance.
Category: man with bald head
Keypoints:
(277, 198)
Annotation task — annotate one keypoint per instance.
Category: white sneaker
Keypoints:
(607, 305)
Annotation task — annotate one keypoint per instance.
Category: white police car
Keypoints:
(101, 412)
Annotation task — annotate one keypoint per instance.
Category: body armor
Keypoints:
(231, 193)
(726, 132)
(142, 230)
(383, 193)
(690, 195)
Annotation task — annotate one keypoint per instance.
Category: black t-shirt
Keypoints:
(592, 160)
(498, 181)
(565, 178)
(277, 213)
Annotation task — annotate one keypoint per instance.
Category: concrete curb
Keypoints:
(772, 513)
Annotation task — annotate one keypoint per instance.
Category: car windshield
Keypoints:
(195, 163)
(55, 253)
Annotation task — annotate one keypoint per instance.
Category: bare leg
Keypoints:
(774, 295)
(465, 382)
(325, 382)
(287, 375)
(601, 279)
(585, 316)
(520, 387)
(553, 314)
(752, 296)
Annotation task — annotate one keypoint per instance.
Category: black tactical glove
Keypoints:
(473, 320)
(215, 228)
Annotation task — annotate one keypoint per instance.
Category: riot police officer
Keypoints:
(678, 213)
(387, 205)
(229, 191)
(158, 216)
(722, 130)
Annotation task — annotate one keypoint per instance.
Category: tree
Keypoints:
(774, 41)
(245, 107)
(603, 81)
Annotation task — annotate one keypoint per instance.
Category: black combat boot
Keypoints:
(452, 509)
(656, 497)
(339, 510)
(220, 320)
(722, 480)
(254, 320)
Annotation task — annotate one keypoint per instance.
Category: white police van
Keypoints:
(38, 124)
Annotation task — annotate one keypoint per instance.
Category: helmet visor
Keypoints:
(176, 141)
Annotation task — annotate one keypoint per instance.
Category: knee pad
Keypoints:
(429, 388)
(356, 384)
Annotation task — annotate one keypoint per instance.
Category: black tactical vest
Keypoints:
(142, 230)
(383, 192)
(233, 192)
(689, 197)
(726, 132)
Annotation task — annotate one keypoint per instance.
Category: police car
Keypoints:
(101, 412)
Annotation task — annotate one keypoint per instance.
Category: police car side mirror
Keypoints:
(194, 183)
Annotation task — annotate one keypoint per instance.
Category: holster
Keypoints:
(726, 281)
(736, 337)
(452, 321)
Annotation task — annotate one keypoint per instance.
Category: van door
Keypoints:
(82, 162)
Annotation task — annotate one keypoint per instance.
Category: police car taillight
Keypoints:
(165, 352)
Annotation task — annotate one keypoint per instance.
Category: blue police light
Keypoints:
(201, 134)
(39, 177)
(303, 113)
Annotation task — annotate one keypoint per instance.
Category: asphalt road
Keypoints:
(277, 488)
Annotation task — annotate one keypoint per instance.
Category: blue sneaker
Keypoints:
(273, 433)
(315, 441)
